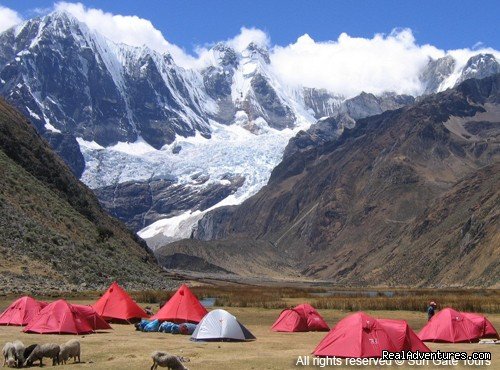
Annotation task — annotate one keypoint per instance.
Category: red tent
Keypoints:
(360, 335)
(21, 311)
(59, 317)
(303, 317)
(182, 307)
(488, 329)
(453, 326)
(117, 305)
(403, 336)
(92, 317)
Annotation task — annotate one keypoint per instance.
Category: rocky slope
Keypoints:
(403, 198)
(53, 233)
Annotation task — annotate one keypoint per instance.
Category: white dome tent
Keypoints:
(220, 325)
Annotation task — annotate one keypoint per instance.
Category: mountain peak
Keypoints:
(62, 18)
(256, 50)
(225, 55)
(480, 66)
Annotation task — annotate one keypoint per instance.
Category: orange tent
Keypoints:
(59, 317)
(182, 307)
(117, 305)
(21, 311)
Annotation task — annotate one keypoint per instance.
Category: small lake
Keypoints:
(208, 302)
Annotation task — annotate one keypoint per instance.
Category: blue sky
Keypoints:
(188, 23)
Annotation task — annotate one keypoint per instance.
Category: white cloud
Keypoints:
(238, 43)
(8, 18)
(350, 65)
(247, 36)
(127, 29)
(344, 66)
(477, 45)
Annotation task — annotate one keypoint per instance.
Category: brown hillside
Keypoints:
(53, 233)
(387, 203)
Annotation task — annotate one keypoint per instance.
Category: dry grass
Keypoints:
(480, 300)
(415, 301)
(124, 348)
(235, 296)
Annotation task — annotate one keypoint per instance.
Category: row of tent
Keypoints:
(448, 325)
(55, 318)
(357, 335)
(115, 305)
(360, 335)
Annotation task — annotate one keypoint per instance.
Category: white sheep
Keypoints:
(9, 355)
(169, 361)
(19, 352)
(50, 350)
(69, 349)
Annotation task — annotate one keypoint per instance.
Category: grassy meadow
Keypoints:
(474, 300)
(257, 308)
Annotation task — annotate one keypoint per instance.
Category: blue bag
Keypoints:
(152, 326)
(166, 327)
(175, 329)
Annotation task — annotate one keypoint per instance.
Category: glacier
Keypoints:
(230, 150)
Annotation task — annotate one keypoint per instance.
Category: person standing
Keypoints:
(431, 310)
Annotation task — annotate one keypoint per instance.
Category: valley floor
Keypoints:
(125, 348)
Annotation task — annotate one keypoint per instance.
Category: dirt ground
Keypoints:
(125, 348)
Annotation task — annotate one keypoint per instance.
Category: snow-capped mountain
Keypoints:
(161, 144)
(443, 73)
(247, 92)
(70, 79)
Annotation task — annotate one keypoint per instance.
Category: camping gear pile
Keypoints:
(184, 314)
(149, 326)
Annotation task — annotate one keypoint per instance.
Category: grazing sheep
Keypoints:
(164, 359)
(9, 355)
(50, 350)
(19, 352)
(27, 352)
(70, 349)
